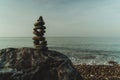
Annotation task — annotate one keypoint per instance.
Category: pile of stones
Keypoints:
(39, 30)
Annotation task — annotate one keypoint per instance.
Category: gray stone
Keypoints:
(30, 64)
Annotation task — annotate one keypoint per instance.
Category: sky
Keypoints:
(77, 18)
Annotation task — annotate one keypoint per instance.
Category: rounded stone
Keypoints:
(39, 23)
(40, 27)
(39, 38)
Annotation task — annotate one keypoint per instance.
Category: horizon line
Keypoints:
(58, 36)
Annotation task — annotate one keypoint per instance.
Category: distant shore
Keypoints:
(99, 72)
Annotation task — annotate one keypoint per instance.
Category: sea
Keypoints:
(81, 50)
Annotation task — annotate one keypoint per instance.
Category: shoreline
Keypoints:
(99, 72)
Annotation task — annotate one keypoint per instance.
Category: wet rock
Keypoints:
(112, 63)
(27, 64)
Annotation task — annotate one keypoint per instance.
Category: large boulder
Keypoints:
(30, 64)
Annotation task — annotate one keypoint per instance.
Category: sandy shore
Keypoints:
(99, 72)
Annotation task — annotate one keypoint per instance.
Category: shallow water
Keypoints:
(78, 49)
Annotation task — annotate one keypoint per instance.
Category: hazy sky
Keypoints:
(62, 17)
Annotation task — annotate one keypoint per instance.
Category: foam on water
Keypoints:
(90, 57)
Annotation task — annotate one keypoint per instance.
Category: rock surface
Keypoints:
(28, 64)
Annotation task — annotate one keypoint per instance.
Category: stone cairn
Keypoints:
(36, 64)
(39, 40)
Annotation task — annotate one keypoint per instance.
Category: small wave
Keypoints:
(87, 56)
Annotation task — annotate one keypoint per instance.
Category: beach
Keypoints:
(99, 72)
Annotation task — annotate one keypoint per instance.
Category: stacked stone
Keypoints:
(39, 40)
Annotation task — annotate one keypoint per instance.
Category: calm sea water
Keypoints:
(78, 49)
